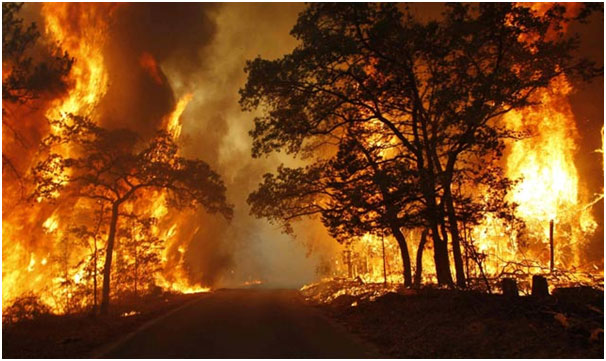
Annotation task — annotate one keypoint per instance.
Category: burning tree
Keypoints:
(116, 167)
(24, 77)
(140, 253)
(30, 69)
(435, 91)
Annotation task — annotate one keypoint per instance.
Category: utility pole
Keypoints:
(551, 247)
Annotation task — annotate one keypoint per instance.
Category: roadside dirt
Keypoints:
(435, 323)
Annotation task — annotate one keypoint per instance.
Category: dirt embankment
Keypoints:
(435, 323)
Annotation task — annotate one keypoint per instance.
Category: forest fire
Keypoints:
(549, 188)
(423, 174)
(44, 251)
(550, 198)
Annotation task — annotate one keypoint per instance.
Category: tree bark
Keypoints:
(440, 256)
(407, 271)
(108, 258)
(384, 263)
(419, 265)
(454, 235)
(440, 247)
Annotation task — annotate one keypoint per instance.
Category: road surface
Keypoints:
(242, 324)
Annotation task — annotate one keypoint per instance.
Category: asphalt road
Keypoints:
(242, 324)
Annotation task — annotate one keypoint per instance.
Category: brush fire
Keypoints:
(55, 249)
(404, 148)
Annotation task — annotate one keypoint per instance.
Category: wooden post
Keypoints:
(384, 267)
(509, 287)
(551, 248)
(539, 286)
(466, 250)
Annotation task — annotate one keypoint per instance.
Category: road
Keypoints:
(243, 324)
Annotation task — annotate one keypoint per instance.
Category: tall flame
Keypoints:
(548, 190)
(173, 121)
(82, 36)
(36, 257)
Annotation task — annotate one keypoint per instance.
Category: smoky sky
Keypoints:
(201, 49)
(176, 33)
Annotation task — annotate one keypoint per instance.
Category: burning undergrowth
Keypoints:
(344, 291)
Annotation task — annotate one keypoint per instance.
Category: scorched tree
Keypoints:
(114, 167)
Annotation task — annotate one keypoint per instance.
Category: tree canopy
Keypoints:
(115, 166)
(25, 75)
(433, 91)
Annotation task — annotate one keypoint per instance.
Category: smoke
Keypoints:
(157, 53)
(216, 130)
(141, 38)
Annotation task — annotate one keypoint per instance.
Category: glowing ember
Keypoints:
(129, 314)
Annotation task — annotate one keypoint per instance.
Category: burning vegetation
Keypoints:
(91, 211)
(439, 152)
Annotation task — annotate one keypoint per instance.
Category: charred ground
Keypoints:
(437, 323)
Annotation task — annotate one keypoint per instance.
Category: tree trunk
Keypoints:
(407, 271)
(455, 239)
(108, 259)
(440, 247)
(384, 264)
(440, 256)
(419, 265)
(136, 270)
(96, 259)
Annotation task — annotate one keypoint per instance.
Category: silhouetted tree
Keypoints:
(90, 237)
(359, 190)
(25, 77)
(114, 167)
(438, 88)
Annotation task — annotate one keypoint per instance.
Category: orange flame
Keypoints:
(36, 256)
